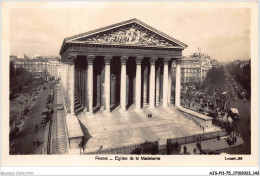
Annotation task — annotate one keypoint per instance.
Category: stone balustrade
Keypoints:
(203, 121)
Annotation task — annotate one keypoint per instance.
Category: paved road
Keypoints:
(24, 143)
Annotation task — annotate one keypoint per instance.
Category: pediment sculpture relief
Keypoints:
(130, 35)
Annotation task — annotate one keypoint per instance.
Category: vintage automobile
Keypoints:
(44, 119)
(234, 113)
(47, 110)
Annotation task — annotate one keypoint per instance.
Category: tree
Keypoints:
(215, 76)
(12, 69)
(242, 75)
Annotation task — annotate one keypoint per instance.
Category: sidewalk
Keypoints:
(213, 145)
(59, 140)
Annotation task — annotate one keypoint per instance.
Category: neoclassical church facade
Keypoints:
(127, 63)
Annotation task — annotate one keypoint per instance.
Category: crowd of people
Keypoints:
(212, 101)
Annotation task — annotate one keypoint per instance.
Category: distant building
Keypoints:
(205, 66)
(194, 68)
(39, 66)
(13, 58)
(241, 63)
(190, 69)
(215, 63)
(54, 68)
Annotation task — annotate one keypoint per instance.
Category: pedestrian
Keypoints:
(38, 142)
(185, 149)
(194, 150)
(198, 146)
(176, 145)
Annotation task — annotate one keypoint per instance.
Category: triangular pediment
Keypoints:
(131, 32)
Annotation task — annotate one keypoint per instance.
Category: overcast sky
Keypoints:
(222, 33)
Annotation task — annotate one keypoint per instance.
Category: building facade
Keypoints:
(205, 66)
(190, 70)
(39, 66)
(125, 63)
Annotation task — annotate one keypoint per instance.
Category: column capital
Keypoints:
(166, 60)
(153, 60)
(124, 59)
(139, 60)
(90, 59)
(107, 60)
(71, 59)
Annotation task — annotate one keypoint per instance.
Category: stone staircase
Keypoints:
(77, 105)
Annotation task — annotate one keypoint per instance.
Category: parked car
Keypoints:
(234, 113)
(47, 110)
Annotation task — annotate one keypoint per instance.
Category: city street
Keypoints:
(24, 143)
(243, 127)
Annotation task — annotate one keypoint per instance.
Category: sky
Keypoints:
(222, 33)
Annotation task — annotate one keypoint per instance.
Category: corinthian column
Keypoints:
(72, 83)
(86, 91)
(170, 83)
(107, 82)
(165, 80)
(178, 83)
(152, 83)
(123, 83)
(138, 84)
(145, 86)
(158, 75)
(90, 59)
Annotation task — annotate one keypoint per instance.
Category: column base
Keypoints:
(89, 113)
(138, 110)
(107, 113)
(102, 108)
(107, 110)
(158, 103)
(165, 105)
(122, 110)
(151, 108)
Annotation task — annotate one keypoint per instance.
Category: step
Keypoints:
(78, 110)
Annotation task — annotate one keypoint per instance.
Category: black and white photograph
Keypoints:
(118, 80)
